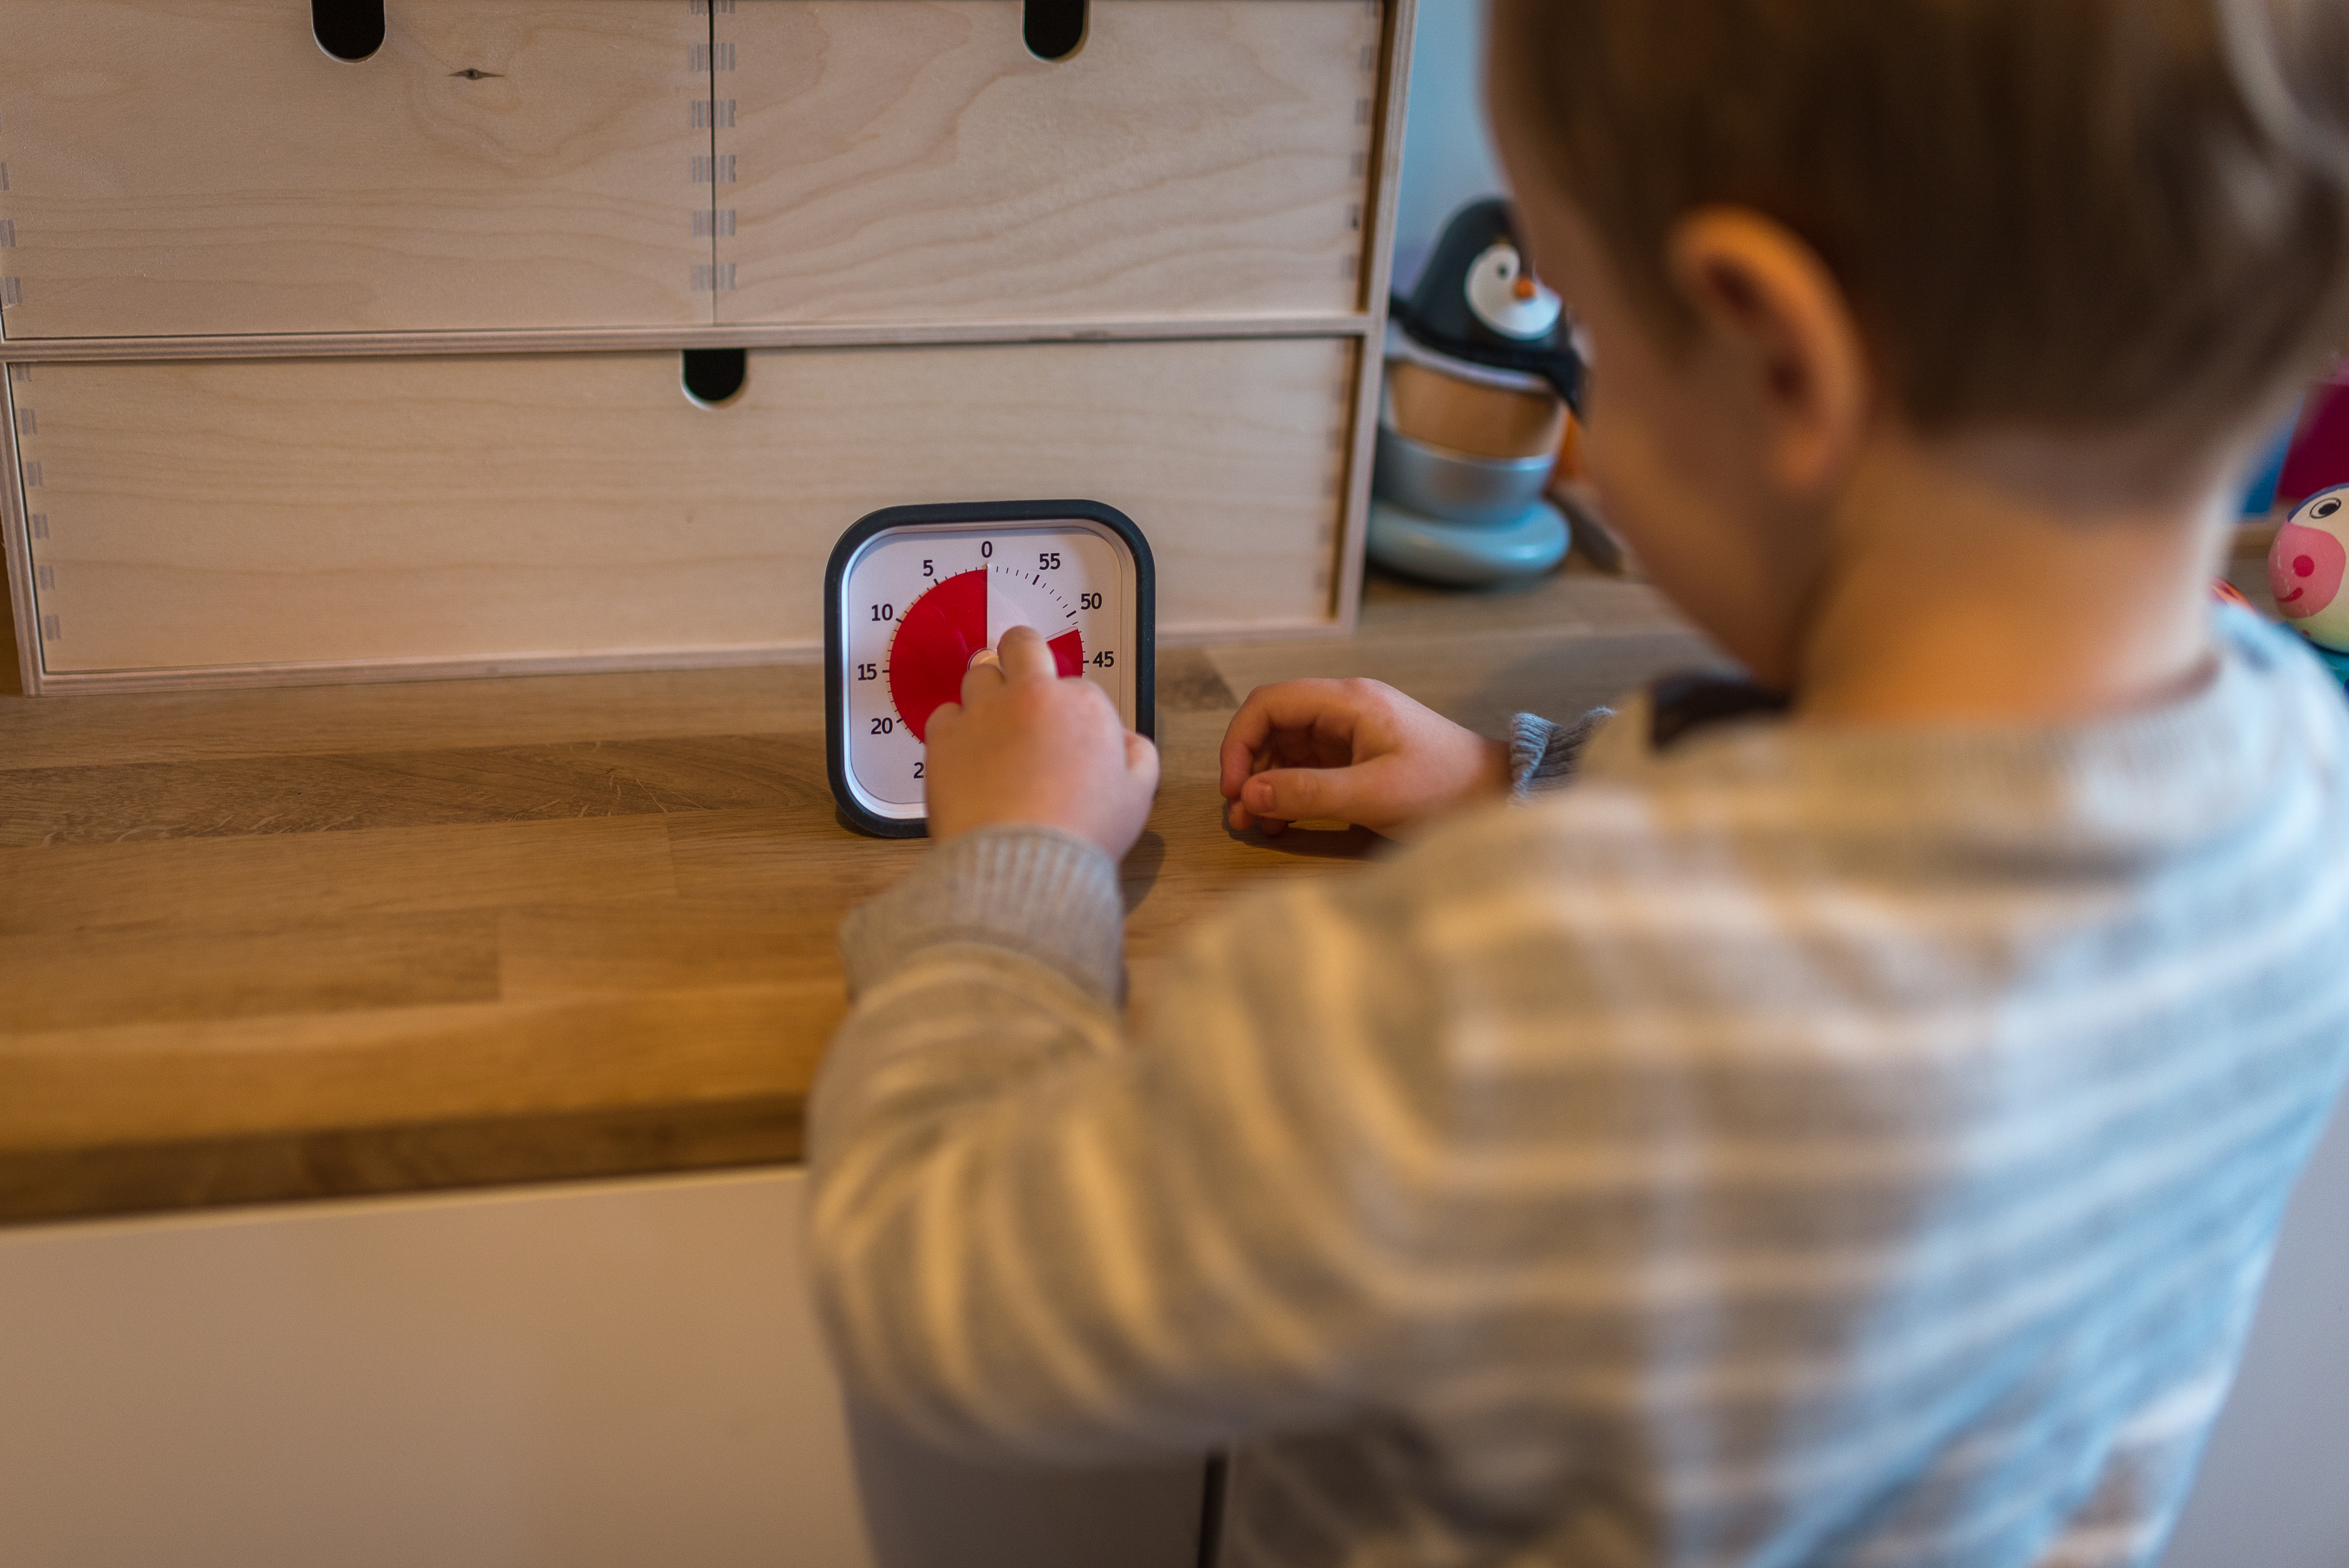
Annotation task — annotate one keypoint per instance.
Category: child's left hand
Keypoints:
(1359, 751)
(1025, 747)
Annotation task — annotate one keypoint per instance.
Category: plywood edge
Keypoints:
(826, 335)
(1370, 369)
(16, 547)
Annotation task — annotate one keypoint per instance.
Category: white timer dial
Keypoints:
(916, 602)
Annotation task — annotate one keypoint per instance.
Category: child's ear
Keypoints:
(1777, 323)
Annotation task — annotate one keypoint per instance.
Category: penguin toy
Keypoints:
(1482, 371)
(1477, 300)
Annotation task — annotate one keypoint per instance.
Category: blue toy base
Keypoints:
(1464, 555)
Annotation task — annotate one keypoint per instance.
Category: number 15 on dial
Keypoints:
(912, 592)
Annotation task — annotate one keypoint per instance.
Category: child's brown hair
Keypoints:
(2086, 216)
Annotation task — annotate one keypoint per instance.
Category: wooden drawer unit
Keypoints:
(914, 161)
(267, 515)
(325, 369)
(205, 166)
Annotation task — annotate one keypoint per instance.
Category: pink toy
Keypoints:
(2306, 564)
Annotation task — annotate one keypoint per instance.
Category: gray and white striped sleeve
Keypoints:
(1543, 753)
(1030, 1236)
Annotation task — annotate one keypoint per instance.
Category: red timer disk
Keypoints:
(939, 632)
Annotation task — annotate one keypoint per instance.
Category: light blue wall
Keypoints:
(1447, 154)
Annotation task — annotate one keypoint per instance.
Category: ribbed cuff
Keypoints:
(1044, 894)
(1543, 754)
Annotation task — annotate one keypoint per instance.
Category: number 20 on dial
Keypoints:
(913, 592)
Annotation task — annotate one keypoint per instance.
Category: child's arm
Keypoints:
(1025, 748)
(1031, 1236)
(1362, 752)
(1025, 1234)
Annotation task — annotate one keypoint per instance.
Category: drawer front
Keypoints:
(205, 167)
(913, 161)
(209, 514)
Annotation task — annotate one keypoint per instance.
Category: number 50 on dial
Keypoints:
(912, 592)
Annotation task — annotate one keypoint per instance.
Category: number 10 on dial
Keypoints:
(913, 592)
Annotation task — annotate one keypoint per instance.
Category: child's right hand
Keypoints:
(1357, 751)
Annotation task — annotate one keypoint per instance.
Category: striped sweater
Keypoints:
(1778, 1146)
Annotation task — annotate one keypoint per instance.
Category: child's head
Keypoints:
(2118, 229)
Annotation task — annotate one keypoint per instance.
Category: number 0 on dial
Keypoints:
(913, 591)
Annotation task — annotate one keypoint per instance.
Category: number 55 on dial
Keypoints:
(912, 592)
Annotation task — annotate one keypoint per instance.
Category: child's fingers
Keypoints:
(982, 678)
(1295, 794)
(1142, 759)
(1240, 819)
(1024, 657)
(947, 717)
(1140, 775)
(1290, 706)
(1235, 762)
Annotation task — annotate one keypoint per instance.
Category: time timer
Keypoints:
(912, 592)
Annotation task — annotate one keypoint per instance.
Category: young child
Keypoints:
(1848, 1122)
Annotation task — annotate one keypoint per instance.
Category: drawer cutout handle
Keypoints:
(348, 29)
(1054, 29)
(713, 377)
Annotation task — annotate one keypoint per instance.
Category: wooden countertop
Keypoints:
(280, 944)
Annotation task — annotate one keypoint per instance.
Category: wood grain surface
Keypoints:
(272, 944)
(291, 517)
(915, 162)
(205, 167)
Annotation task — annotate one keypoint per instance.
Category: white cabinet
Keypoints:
(620, 1375)
(629, 1374)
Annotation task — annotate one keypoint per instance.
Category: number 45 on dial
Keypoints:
(912, 592)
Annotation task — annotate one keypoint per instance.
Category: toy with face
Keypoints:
(1504, 295)
(1478, 300)
(2306, 564)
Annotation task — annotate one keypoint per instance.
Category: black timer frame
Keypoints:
(836, 643)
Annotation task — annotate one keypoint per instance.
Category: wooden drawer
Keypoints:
(205, 166)
(913, 162)
(319, 514)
